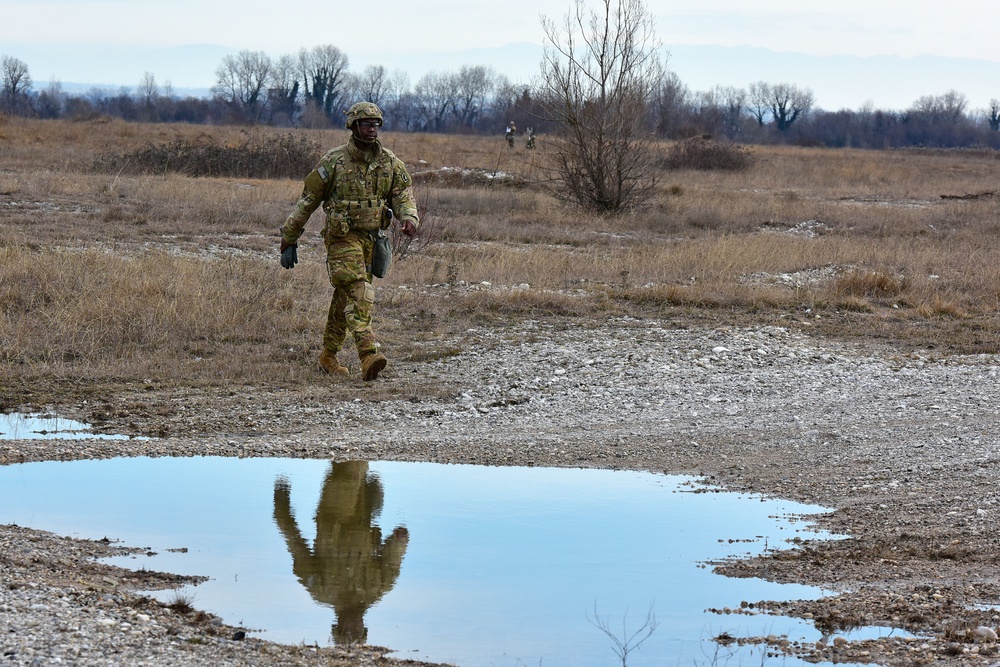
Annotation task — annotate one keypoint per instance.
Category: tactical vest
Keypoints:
(355, 190)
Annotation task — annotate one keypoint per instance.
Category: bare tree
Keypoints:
(784, 103)
(391, 94)
(758, 101)
(324, 73)
(473, 87)
(669, 102)
(600, 70)
(788, 103)
(242, 80)
(373, 85)
(405, 113)
(435, 97)
(993, 115)
(724, 108)
(283, 93)
(504, 104)
(148, 90)
(51, 101)
(16, 83)
(148, 96)
(947, 108)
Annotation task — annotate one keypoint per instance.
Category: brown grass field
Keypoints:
(111, 277)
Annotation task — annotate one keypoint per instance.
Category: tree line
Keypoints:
(311, 89)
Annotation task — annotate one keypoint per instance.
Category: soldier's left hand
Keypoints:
(409, 228)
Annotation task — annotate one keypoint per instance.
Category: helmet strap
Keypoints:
(366, 143)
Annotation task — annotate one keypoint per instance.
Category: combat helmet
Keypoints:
(362, 110)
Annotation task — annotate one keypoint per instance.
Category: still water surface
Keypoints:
(465, 564)
(23, 426)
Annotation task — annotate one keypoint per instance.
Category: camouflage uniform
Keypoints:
(355, 187)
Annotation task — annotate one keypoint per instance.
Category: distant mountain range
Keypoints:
(837, 82)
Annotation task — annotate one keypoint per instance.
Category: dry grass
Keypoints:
(105, 275)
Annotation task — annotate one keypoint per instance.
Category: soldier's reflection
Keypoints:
(349, 566)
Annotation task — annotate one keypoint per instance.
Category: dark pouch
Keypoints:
(381, 255)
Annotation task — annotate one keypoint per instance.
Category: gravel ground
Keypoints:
(901, 446)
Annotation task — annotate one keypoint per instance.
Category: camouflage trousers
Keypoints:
(347, 262)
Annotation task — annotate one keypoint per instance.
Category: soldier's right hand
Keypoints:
(289, 254)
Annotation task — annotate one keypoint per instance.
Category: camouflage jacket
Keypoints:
(355, 188)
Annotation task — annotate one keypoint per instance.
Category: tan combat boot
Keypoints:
(329, 363)
(372, 364)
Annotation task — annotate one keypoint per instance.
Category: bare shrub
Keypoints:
(600, 70)
(256, 156)
(404, 246)
(707, 155)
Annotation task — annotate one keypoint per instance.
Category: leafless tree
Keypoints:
(758, 101)
(148, 90)
(242, 81)
(148, 96)
(435, 98)
(51, 102)
(600, 70)
(725, 107)
(16, 82)
(391, 94)
(324, 73)
(372, 84)
(947, 108)
(404, 112)
(993, 115)
(783, 102)
(788, 103)
(503, 104)
(669, 102)
(473, 87)
(283, 91)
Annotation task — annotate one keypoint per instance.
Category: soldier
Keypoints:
(360, 185)
(509, 134)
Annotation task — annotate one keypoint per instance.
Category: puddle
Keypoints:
(448, 563)
(18, 426)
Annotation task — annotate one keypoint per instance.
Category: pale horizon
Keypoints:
(887, 53)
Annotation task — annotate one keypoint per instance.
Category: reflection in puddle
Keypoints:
(447, 563)
(18, 426)
(349, 567)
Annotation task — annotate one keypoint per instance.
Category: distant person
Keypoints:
(349, 566)
(530, 134)
(360, 185)
(509, 135)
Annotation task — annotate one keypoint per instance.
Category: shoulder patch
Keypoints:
(323, 173)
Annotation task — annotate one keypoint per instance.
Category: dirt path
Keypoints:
(904, 448)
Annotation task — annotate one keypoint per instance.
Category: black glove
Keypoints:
(289, 255)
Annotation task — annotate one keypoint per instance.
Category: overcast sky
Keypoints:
(61, 35)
